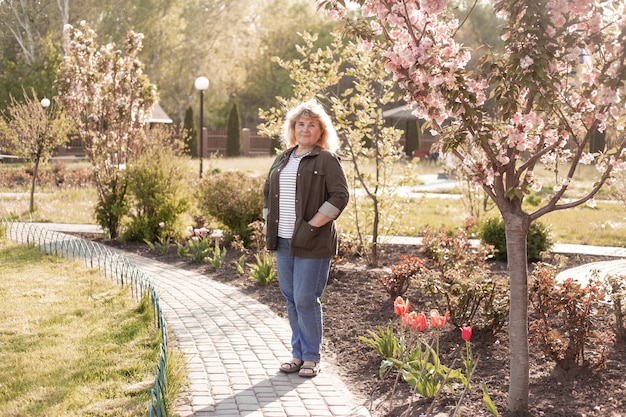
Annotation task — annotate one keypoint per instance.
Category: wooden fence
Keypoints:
(214, 142)
(251, 143)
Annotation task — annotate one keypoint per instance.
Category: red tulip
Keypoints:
(407, 319)
(421, 322)
(466, 333)
(400, 307)
(415, 321)
(436, 320)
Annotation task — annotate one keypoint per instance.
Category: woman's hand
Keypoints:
(319, 220)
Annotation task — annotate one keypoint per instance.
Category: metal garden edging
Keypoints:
(114, 267)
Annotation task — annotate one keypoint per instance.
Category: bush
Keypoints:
(157, 191)
(233, 198)
(614, 286)
(565, 328)
(492, 232)
(111, 208)
(397, 282)
(55, 175)
(458, 280)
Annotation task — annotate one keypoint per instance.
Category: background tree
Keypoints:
(558, 81)
(230, 40)
(233, 132)
(30, 34)
(34, 131)
(279, 24)
(26, 22)
(190, 133)
(109, 96)
(353, 86)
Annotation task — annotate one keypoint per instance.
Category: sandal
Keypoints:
(309, 369)
(292, 366)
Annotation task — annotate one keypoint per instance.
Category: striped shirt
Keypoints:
(287, 200)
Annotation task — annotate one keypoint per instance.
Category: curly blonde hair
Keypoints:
(314, 110)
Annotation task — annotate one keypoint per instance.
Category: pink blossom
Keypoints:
(618, 165)
(503, 159)
(586, 158)
(376, 27)
(526, 62)
(434, 6)
(536, 185)
(336, 13)
(365, 46)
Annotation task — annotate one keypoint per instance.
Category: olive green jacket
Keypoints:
(321, 185)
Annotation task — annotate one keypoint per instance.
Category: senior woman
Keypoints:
(305, 191)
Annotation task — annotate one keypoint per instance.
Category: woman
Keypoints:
(305, 191)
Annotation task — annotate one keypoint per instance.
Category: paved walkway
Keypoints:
(599, 270)
(233, 345)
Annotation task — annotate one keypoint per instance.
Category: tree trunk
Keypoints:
(374, 257)
(517, 226)
(32, 186)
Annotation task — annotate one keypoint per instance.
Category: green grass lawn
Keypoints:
(72, 342)
(59, 206)
(604, 225)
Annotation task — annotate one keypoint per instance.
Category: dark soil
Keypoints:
(356, 302)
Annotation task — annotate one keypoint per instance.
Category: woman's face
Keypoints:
(308, 132)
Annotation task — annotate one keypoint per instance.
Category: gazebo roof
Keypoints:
(158, 115)
(404, 112)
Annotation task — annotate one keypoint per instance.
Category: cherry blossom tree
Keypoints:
(537, 105)
(106, 92)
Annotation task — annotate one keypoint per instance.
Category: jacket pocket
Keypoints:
(304, 235)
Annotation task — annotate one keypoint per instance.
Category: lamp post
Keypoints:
(201, 84)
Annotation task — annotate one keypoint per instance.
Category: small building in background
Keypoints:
(158, 115)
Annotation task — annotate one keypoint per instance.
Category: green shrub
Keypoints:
(233, 133)
(492, 232)
(534, 200)
(233, 198)
(157, 192)
(111, 208)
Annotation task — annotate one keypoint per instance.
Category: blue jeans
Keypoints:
(302, 282)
